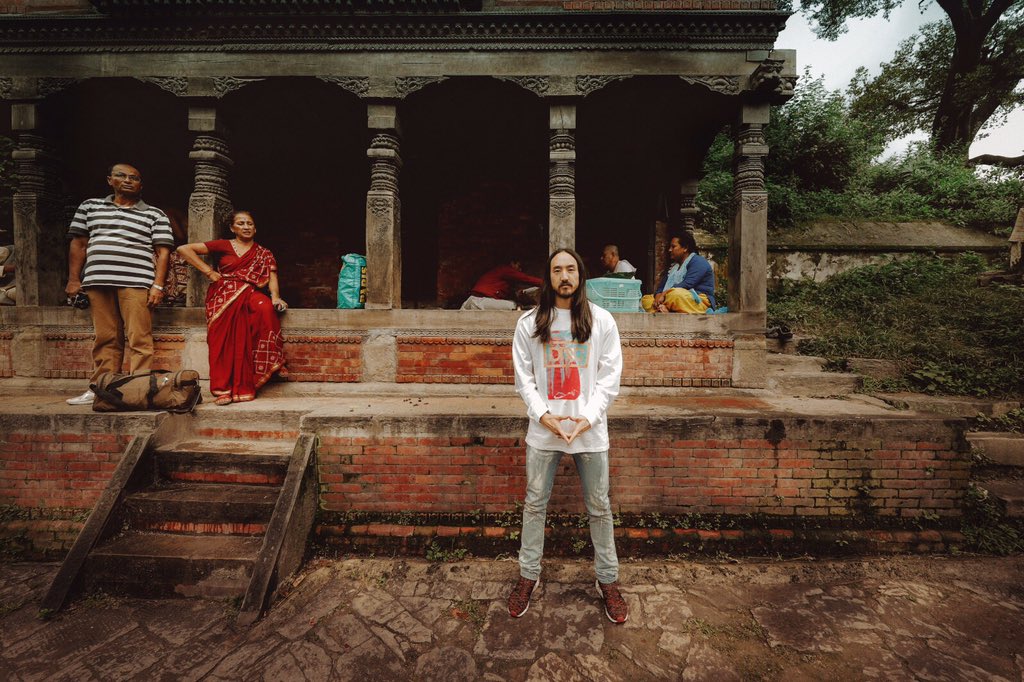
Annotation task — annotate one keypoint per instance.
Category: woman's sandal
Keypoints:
(222, 400)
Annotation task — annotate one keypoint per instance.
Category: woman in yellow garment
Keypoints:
(689, 284)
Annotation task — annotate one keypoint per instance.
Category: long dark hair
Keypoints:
(579, 308)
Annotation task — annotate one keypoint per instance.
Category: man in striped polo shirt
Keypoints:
(114, 238)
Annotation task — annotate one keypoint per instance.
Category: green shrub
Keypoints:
(946, 334)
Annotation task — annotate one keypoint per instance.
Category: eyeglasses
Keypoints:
(126, 176)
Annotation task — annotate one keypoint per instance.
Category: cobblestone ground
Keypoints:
(888, 618)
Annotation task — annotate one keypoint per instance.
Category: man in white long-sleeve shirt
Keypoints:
(568, 362)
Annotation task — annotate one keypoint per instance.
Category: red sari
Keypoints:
(243, 332)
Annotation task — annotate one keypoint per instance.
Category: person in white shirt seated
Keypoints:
(614, 265)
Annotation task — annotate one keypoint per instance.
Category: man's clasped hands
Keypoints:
(558, 424)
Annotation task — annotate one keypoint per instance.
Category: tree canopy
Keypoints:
(951, 79)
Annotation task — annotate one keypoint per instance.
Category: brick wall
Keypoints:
(677, 362)
(647, 362)
(786, 466)
(69, 354)
(324, 358)
(458, 360)
(53, 470)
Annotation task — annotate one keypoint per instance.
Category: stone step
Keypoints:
(1000, 447)
(796, 363)
(801, 375)
(202, 508)
(250, 462)
(168, 565)
(815, 384)
(1010, 494)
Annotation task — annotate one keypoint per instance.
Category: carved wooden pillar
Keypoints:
(748, 233)
(562, 179)
(39, 222)
(384, 210)
(209, 204)
(688, 210)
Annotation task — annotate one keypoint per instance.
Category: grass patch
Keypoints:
(946, 334)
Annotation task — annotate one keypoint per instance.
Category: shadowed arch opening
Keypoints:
(637, 140)
(474, 186)
(299, 150)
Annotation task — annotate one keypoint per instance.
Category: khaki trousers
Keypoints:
(119, 314)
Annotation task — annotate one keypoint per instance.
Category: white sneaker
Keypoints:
(84, 399)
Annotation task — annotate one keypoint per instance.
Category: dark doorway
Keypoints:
(299, 146)
(474, 186)
(637, 140)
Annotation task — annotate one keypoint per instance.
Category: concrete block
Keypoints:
(28, 352)
(380, 357)
(1001, 448)
(749, 362)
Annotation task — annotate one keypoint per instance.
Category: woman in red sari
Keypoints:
(243, 332)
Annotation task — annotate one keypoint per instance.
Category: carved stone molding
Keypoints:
(6, 85)
(423, 32)
(767, 79)
(535, 84)
(688, 211)
(176, 85)
(561, 208)
(406, 85)
(562, 174)
(755, 203)
(49, 86)
(726, 85)
(213, 162)
(748, 161)
(222, 85)
(380, 205)
(385, 163)
(588, 84)
(358, 85)
(35, 166)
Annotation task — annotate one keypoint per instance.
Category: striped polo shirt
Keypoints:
(121, 242)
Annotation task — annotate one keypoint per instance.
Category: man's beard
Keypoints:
(566, 297)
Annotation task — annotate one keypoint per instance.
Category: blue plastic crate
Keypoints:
(615, 295)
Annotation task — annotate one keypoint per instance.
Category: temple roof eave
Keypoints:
(608, 31)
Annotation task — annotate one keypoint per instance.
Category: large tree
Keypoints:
(952, 78)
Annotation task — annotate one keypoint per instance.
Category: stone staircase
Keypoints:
(1004, 477)
(196, 531)
(803, 375)
(209, 517)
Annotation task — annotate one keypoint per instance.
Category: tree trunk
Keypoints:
(952, 128)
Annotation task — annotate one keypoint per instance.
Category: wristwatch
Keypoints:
(158, 287)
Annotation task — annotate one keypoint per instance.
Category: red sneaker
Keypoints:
(614, 605)
(519, 600)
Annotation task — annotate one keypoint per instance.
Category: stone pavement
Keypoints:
(890, 618)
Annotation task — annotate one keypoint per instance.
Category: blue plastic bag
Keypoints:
(352, 281)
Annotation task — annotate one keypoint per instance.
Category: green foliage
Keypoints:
(438, 554)
(927, 314)
(985, 527)
(815, 145)
(958, 74)
(1012, 421)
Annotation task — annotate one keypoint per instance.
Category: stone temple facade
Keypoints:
(437, 137)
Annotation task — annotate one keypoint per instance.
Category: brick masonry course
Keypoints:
(880, 474)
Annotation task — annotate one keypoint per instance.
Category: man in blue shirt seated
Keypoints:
(689, 284)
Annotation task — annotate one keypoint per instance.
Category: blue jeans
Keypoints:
(592, 468)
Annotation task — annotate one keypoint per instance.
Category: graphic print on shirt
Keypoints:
(563, 358)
